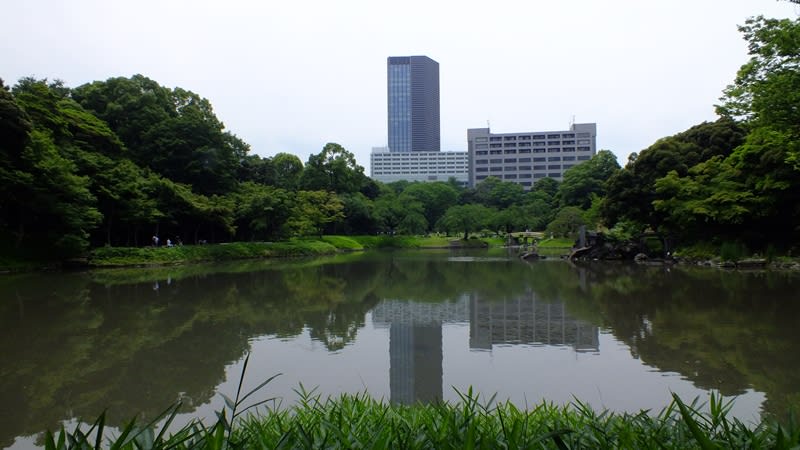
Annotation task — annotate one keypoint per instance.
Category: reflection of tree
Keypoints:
(72, 348)
(728, 331)
(72, 345)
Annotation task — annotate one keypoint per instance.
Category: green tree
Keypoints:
(567, 222)
(630, 192)
(509, 220)
(466, 218)
(765, 95)
(288, 170)
(52, 205)
(256, 169)
(171, 131)
(357, 214)
(333, 169)
(709, 202)
(261, 211)
(434, 198)
(313, 211)
(587, 179)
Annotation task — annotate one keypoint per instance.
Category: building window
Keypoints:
(568, 166)
(568, 149)
(583, 149)
(554, 166)
(522, 160)
(510, 169)
(580, 135)
(481, 177)
(524, 150)
(554, 158)
(481, 169)
(568, 142)
(554, 174)
(481, 146)
(553, 136)
(509, 144)
(495, 169)
(510, 138)
(552, 143)
(525, 138)
(495, 152)
(484, 161)
(495, 138)
(496, 145)
(510, 176)
(538, 150)
(568, 135)
(538, 137)
(554, 150)
(524, 168)
(480, 139)
(539, 167)
(538, 144)
(539, 159)
(496, 160)
(524, 144)
(583, 141)
(539, 175)
(569, 158)
(583, 158)
(510, 160)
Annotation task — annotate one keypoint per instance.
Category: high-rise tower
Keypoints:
(413, 104)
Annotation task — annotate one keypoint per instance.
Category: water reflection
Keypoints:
(73, 345)
(415, 338)
(528, 320)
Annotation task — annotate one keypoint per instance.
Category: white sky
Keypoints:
(293, 75)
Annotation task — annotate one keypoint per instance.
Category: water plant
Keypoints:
(361, 421)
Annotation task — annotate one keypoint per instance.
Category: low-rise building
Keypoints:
(526, 157)
(387, 166)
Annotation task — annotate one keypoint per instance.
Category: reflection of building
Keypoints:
(415, 335)
(415, 357)
(415, 345)
(526, 320)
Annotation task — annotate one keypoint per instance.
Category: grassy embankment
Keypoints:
(359, 421)
(326, 245)
(555, 246)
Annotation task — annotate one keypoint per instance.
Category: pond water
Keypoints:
(402, 326)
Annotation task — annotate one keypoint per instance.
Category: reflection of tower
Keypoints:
(415, 345)
(415, 354)
(526, 320)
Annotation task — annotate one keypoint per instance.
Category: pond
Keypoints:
(401, 326)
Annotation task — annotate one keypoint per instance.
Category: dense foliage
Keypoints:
(117, 162)
(359, 421)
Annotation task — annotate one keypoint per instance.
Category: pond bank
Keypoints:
(326, 245)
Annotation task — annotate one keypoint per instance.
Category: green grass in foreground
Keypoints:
(359, 421)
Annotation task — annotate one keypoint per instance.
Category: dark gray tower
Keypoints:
(413, 106)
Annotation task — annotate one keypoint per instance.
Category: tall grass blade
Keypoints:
(694, 428)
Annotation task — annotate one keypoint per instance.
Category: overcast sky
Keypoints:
(290, 76)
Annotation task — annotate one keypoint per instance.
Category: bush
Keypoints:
(732, 251)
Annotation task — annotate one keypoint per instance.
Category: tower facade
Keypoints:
(413, 104)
